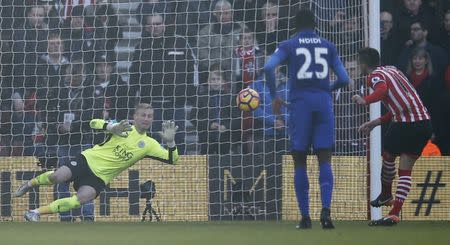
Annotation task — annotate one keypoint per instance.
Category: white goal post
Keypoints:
(375, 111)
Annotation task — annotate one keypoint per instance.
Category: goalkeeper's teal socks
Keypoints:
(326, 184)
(301, 183)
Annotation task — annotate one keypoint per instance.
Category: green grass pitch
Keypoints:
(217, 233)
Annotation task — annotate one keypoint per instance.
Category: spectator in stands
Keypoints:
(6, 72)
(107, 31)
(6, 91)
(73, 120)
(191, 16)
(329, 10)
(245, 11)
(351, 65)
(250, 59)
(78, 36)
(421, 75)
(216, 115)
(73, 130)
(106, 94)
(29, 43)
(17, 101)
(31, 38)
(48, 81)
(419, 34)
(218, 39)
(164, 7)
(430, 88)
(444, 143)
(269, 32)
(52, 14)
(12, 14)
(346, 32)
(249, 62)
(427, 84)
(413, 11)
(270, 131)
(444, 35)
(22, 125)
(116, 99)
(163, 72)
(390, 45)
(347, 136)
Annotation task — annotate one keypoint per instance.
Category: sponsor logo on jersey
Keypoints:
(375, 80)
(120, 152)
(141, 144)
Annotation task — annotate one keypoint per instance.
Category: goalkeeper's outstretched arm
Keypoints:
(170, 156)
(119, 129)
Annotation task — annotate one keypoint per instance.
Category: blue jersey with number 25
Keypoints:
(310, 58)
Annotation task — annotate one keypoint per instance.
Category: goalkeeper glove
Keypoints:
(119, 129)
(169, 129)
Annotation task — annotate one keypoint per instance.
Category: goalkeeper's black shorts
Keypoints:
(407, 137)
(83, 175)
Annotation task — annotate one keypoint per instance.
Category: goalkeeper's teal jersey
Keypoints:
(108, 159)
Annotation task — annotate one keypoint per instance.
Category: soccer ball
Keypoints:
(247, 100)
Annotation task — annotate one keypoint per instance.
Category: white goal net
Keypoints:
(65, 62)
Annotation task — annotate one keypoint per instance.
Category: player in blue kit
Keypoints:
(311, 121)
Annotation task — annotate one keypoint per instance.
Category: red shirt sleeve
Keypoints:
(386, 117)
(379, 93)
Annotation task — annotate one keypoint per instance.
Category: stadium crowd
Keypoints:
(59, 69)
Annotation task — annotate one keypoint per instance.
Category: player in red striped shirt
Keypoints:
(408, 132)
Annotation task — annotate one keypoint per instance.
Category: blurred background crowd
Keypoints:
(66, 62)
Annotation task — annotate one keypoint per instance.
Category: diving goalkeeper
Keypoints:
(96, 167)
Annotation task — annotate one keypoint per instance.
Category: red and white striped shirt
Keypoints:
(401, 99)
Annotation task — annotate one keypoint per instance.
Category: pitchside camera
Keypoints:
(148, 191)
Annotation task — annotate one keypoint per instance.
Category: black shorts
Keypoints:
(408, 138)
(83, 175)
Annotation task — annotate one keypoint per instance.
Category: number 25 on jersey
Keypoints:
(304, 72)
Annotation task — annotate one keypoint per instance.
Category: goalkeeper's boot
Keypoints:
(325, 219)
(389, 220)
(305, 223)
(31, 216)
(382, 200)
(23, 189)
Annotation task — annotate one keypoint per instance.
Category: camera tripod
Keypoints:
(150, 210)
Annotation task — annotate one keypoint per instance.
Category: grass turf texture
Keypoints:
(217, 233)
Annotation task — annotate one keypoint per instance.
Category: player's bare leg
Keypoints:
(326, 186)
(403, 187)
(61, 175)
(387, 176)
(301, 184)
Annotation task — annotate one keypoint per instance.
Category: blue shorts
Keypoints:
(311, 121)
